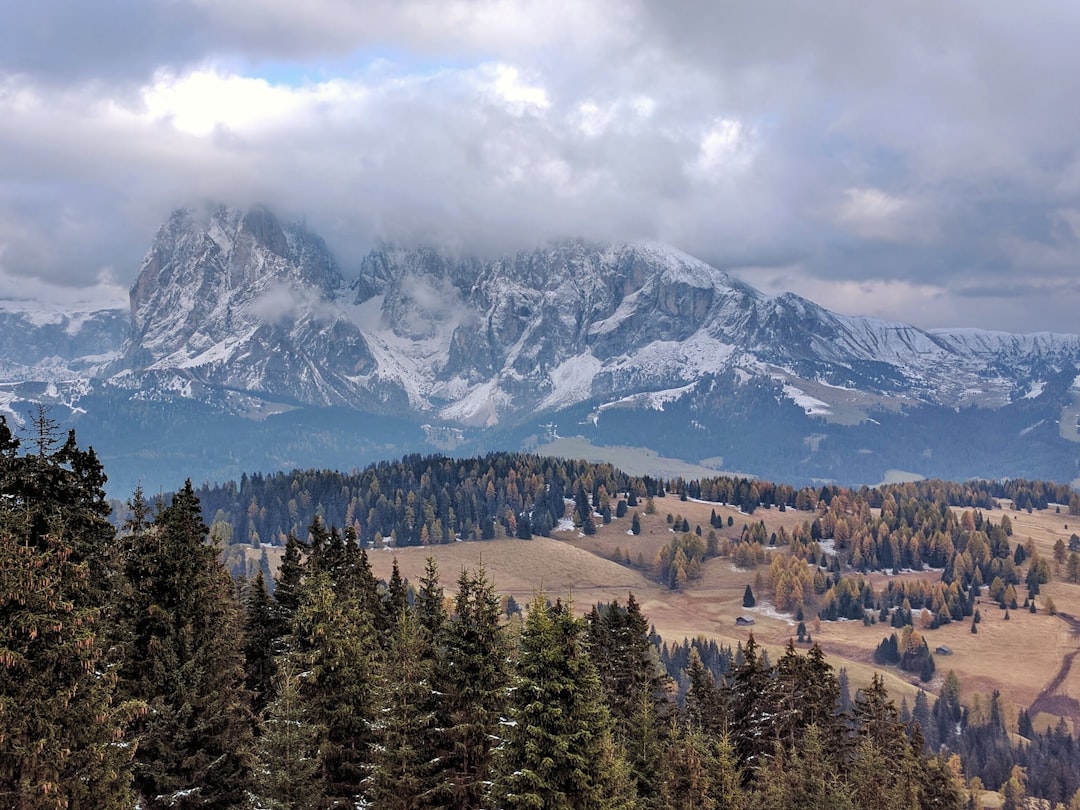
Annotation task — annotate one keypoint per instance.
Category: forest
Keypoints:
(137, 671)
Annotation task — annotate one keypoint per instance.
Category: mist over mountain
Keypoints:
(248, 347)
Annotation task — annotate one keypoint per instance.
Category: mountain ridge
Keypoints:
(253, 317)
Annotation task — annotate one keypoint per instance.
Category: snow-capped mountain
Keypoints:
(253, 316)
(38, 344)
(246, 303)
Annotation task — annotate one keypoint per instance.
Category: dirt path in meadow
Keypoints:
(1050, 702)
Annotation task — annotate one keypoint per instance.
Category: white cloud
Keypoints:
(203, 101)
(873, 214)
(518, 96)
(725, 148)
(870, 143)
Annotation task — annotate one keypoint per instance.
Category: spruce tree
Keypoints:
(687, 775)
(60, 720)
(706, 709)
(751, 721)
(405, 728)
(287, 586)
(557, 751)
(287, 751)
(260, 668)
(396, 596)
(472, 682)
(748, 600)
(333, 644)
(184, 659)
(431, 627)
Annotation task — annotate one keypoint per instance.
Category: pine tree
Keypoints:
(59, 716)
(184, 660)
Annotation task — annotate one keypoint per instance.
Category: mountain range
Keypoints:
(248, 347)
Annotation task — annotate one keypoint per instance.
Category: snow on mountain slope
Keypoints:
(240, 302)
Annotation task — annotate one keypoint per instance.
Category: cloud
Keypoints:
(902, 147)
(282, 303)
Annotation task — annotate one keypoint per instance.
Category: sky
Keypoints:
(916, 161)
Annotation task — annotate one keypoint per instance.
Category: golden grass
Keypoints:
(1018, 657)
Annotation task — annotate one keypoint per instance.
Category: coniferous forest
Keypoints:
(136, 671)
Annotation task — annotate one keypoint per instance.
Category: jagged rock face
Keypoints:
(245, 302)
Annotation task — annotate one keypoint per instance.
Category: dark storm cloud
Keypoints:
(894, 159)
(60, 41)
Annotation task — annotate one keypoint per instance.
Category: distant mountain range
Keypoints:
(247, 347)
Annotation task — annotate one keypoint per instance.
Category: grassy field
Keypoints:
(1028, 657)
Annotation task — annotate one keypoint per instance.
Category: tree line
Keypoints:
(135, 672)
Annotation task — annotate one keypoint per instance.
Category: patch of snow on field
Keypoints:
(766, 609)
(811, 405)
(1036, 389)
(1028, 430)
(565, 525)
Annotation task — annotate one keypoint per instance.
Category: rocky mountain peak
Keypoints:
(240, 299)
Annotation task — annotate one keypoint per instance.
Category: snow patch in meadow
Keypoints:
(811, 405)
(1036, 390)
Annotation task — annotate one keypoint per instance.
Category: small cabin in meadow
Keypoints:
(943, 650)
(744, 621)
